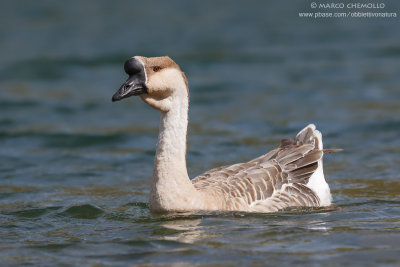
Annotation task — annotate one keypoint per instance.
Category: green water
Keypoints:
(75, 168)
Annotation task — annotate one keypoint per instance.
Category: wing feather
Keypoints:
(271, 182)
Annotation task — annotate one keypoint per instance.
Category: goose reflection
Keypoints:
(187, 230)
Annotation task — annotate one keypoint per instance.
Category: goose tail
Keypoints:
(317, 182)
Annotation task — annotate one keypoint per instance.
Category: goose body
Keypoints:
(288, 176)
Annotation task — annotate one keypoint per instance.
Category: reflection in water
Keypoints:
(188, 231)
(318, 226)
(215, 226)
(316, 222)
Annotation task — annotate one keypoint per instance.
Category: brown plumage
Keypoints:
(271, 182)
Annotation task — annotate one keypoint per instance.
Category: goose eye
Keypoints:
(156, 68)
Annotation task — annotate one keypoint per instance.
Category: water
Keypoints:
(75, 168)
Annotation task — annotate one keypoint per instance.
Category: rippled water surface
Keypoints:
(75, 168)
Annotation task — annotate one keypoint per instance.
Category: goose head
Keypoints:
(157, 80)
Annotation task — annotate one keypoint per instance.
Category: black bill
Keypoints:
(129, 88)
(136, 83)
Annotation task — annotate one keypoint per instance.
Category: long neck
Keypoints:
(171, 187)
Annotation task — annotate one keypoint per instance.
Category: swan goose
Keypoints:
(288, 176)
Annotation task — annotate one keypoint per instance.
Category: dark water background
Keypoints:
(75, 169)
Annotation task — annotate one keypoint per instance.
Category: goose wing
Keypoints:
(271, 182)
